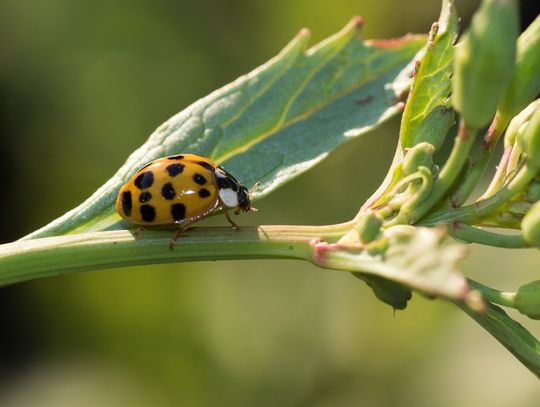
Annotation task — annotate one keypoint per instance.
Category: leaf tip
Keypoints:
(357, 22)
(304, 34)
(298, 44)
(353, 27)
(448, 19)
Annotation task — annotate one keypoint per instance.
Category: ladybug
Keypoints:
(178, 191)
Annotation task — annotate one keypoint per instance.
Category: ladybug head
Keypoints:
(244, 202)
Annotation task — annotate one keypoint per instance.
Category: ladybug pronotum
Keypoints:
(178, 191)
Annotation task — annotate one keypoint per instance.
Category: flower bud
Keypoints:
(533, 192)
(519, 207)
(529, 140)
(484, 62)
(525, 83)
(516, 124)
(369, 227)
(530, 226)
(433, 128)
(520, 136)
(377, 247)
(419, 155)
(527, 299)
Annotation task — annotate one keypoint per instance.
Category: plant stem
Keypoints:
(475, 212)
(472, 234)
(30, 259)
(492, 295)
(480, 161)
(512, 335)
(460, 152)
(320, 245)
(424, 174)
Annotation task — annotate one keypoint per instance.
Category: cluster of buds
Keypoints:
(521, 151)
(485, 62)
(531, 141)
(491, 79)
(498, 78)
(495, 75)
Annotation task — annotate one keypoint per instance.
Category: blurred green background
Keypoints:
(82, 84)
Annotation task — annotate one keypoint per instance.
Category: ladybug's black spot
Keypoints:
(226, 182)
(175, 169)
(204, 193)
(148, 213)
(222, 183)
(168, 191)
(145, 196)
(206, 165)
(126, 203)
(144, 180)
(178, 212)
(199, 179)
(176, 157)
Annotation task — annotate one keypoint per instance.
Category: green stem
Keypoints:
(512, 335)
(30, 259)
(380, 197)
(480, 161)
(424, 174)
(474, 213)
(43, 257)
(472, 234)
(449, 173)
(505, 299)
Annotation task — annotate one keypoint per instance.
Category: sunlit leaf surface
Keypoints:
(275, 122)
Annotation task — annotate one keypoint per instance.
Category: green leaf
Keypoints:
(426, 116)
(276, 122)
(524, 346)
(416, 257)
(387, 291)
(432, 83)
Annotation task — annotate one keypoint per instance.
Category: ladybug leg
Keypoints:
(178, 233)
(138, 232)
(252, 209)
(173, 240)
(233, 223)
